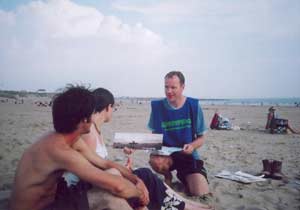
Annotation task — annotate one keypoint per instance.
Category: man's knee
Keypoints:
(195, 178)
(197, 184)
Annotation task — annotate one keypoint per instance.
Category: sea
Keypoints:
(254, 101)
(291, 102)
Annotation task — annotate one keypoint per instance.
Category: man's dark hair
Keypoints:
(103, 98)
(69, 108)
(178, 74)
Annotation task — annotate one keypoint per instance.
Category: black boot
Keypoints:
(267, 168)
(276, 170)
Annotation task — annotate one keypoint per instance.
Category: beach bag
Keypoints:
(215, 121)
(224, 123)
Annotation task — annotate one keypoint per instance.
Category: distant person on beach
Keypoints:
(277, 125)
(180, 120)
(92, 146)
(42, 164)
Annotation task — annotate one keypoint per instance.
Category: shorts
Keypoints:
(186, 164)
(159, 195)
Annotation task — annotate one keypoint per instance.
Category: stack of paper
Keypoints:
(166, 151)
(240, 177)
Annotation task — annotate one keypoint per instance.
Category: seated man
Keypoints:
(277, 125)
(180, 120)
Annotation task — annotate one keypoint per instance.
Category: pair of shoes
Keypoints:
(272, 169)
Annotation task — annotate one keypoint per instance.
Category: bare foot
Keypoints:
(196, 206)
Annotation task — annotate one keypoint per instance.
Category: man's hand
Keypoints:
(188, 149)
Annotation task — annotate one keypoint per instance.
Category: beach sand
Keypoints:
(233, 150)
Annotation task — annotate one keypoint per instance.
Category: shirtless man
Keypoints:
(44, 162)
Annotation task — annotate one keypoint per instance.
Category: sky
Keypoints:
(225, 49)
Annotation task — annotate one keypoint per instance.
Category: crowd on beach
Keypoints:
(72, 160)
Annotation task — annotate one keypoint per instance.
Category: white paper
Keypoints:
(240, 177)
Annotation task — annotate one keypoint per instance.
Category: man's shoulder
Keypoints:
(53, 140)
(54, 145)
(45, 154)
(158, 100)
(44, 142)
(195, 100)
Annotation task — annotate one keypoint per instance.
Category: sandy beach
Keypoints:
(233, 150)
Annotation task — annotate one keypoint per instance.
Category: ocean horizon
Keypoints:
(286, 101)
(293, 101)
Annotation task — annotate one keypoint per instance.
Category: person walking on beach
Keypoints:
(43, 163)
(92, 146)
(180, 120)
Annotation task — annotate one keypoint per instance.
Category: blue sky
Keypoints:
(226, 49)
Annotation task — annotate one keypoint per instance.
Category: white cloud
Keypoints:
(223, 47)
(227, 46)
(48, 44)
(256, 16)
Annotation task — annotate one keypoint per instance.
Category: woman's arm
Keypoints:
(89, 154)
(99, 162)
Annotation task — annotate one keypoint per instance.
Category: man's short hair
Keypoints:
(103, 98)
(178, 74)
(70, 107)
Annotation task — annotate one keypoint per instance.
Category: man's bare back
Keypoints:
(37, 174)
